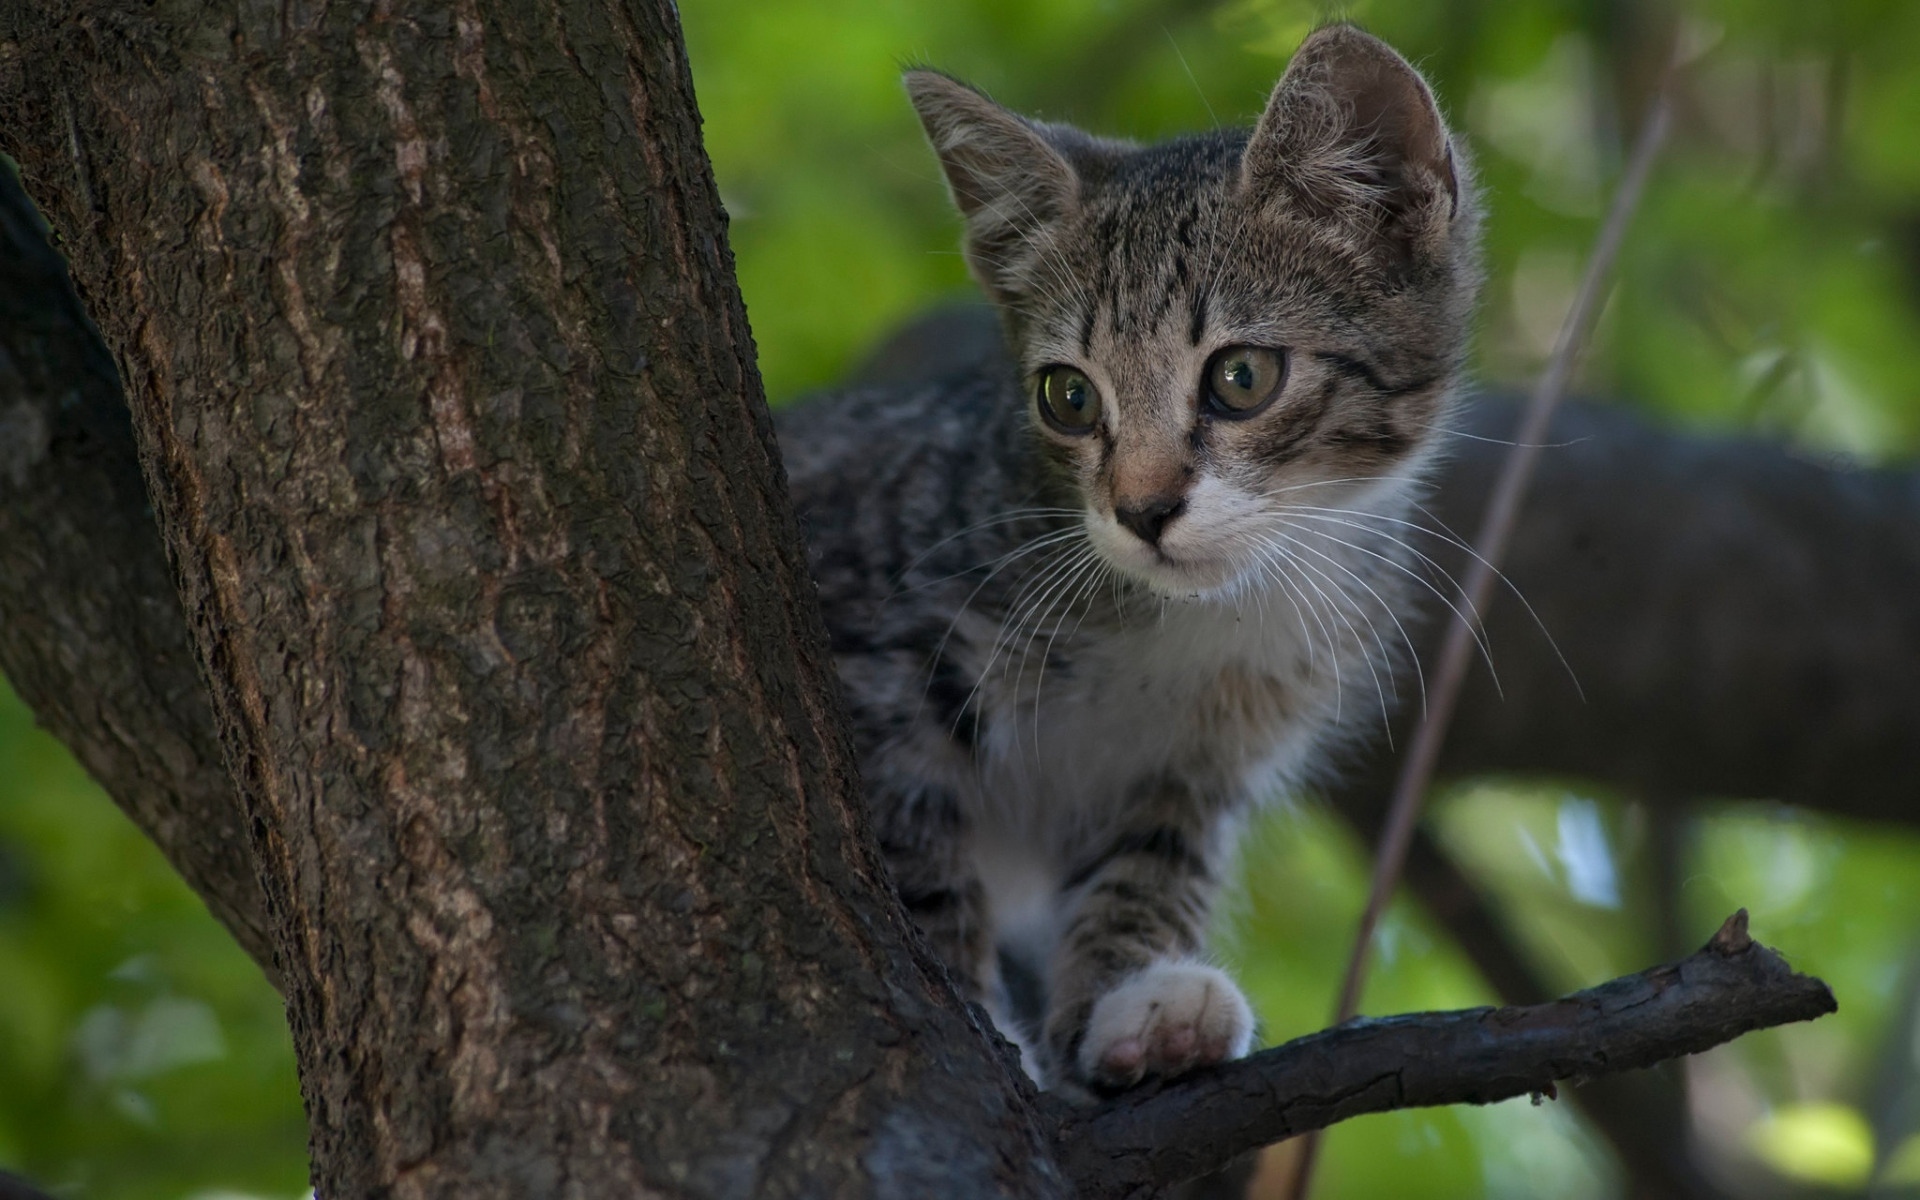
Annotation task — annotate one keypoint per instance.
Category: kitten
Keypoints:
(1087, 609)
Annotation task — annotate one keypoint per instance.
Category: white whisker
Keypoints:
(1452, 539)
(1386, 656)
(1473, 624)
(1049, 543)
(1276, 556)
(1021, 607)
(1090, 570)
(1342, 616)
(1018, 514)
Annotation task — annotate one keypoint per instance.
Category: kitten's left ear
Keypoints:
(1353, 134)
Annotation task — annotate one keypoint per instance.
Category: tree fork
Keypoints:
(446, 404)
(91, 632)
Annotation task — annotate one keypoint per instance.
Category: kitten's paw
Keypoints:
(1169, 1018)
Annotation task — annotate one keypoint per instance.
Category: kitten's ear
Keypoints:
(1008, 180)
(1353, 134)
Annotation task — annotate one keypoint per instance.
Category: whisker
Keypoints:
(1050, 543)
(1191, 78)
(1473, 624)
(1269, 572)
(974, 528)
(1451, 538)
(1513, 587)
(1278, 565)
(1020, 606)
(1340, 613)
(1406, 638)
(1386, 656)
(1091, 569)
(1268, 550)
(1303, 485)
(1447, 431)
(1018, 514)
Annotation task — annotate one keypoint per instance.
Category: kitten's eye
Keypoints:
(1068, 400)
(1242, 380)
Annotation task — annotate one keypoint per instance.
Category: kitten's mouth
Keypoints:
(1187, 580)
(1173, 576)
(1173, 572)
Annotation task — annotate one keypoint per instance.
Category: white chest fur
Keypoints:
(1223, 696)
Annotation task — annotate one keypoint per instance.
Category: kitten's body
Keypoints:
(1075, 654)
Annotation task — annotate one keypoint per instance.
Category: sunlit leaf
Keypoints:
(1817, 1143)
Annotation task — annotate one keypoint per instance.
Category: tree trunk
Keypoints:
(446, 404)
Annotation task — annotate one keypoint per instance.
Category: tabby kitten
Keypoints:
(1088, 609)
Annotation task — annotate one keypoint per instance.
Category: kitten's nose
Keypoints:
(1149, 518)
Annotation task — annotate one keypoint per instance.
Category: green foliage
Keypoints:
(141, 1053)
(1770, 283)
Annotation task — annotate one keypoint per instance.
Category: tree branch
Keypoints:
(1148, 1140)
(1740, 619)
(1642, 1116)
(91, 632)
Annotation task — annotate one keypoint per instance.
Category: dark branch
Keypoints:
(12, 1187)
(1477, 1056)
(1641, 1115)
(91, 632)
(1740, 619)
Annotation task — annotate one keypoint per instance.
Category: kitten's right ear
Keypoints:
(1352, 135)
(1007, 180)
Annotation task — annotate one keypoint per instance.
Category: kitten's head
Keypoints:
(1222, 331)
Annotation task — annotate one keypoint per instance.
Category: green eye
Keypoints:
(1242, 380)
(1068, 400)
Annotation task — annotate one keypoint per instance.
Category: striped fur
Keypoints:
(1060, 722)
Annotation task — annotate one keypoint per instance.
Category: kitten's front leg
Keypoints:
(925, 838)
(1130, 997)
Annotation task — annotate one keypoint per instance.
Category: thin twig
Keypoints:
(1152, 1137)
(1490, 545)
(1635, 1116)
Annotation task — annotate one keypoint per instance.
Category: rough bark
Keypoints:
(1477, 1056)
(446, 404)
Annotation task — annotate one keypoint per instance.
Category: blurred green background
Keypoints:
(1771, 283)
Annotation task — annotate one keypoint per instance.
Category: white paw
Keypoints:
(1169, 1018)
